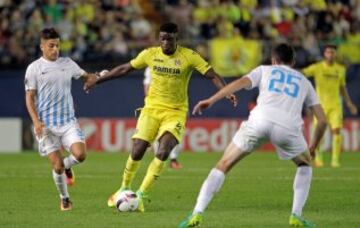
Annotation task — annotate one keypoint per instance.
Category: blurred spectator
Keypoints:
(53, 12)
(92, 29)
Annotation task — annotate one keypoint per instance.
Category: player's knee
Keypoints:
(165, 149)
(139, 148)
(58, 167)
(81, 157)
(162, 156)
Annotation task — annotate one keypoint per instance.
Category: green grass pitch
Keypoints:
(257, 193)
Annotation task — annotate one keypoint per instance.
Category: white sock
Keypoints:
(302, 183)
(211, 185)
(175, 152)
(60, 183)
(70, 161)
(155, 147)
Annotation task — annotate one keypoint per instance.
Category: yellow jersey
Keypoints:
(328, 80)
(170, 75)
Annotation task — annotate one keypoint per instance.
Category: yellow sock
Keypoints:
(152, 174)
(318, 155)
(336, 147)
(130, 170)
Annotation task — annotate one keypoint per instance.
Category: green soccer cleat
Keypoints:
(142, 196)
(192, 221)
(298, 221)
(112, 199)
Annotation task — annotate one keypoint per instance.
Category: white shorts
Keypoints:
(253, 133)
(55, 137)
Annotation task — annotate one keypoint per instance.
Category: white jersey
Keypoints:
(283, 92)
(147, 76)
(52, 81)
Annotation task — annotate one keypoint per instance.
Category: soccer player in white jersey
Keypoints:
(174, 163)
(50, 105)
(277, 117)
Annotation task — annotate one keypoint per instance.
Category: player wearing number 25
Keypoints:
(277, 117)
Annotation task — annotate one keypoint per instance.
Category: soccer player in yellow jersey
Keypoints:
(166, 105)
(330, 86)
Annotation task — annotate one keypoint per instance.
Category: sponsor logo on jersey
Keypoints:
(166, 70)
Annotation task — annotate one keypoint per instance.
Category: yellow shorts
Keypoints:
(155, 122)
(334, 116)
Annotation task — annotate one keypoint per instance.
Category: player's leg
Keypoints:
(147, 129)
(133, 162)
(336, 123)
(166, 144)
(291, 144)
(174, 163)
(171, 130)
(50, 145)
(73, 140)
(249, 136)
(213, 183)
(216, 177)
(336, 147)
(319, 154)
(301, 187)
(131, 168)
(58, 174)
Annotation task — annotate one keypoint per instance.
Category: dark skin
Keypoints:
(168, 44)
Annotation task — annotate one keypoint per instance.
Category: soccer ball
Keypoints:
(127, 201)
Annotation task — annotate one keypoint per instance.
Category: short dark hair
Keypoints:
(284, 53)
(332, 46)
(49, 33)
(169, 27)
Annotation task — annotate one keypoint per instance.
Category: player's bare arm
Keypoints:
(318, 111)
(344, 93)
(30, 105)
(220, 83)
(117, 72)
(231, 88)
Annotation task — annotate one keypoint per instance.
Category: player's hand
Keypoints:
(204, 104)
(352, 108)
(232, 98)
(90, 82)
(39, 129)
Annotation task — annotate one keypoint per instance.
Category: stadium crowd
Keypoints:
(116, 29)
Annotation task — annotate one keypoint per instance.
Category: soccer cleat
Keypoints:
(319, 164)
(335, 164)
(112, 199)
(192, 221)
(65, 204)
(70, 177)
(174, 164)
(141, 198)
(298, 221)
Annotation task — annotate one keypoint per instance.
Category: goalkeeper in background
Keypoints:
(329, 77)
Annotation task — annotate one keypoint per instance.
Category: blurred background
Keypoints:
(233, 35)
